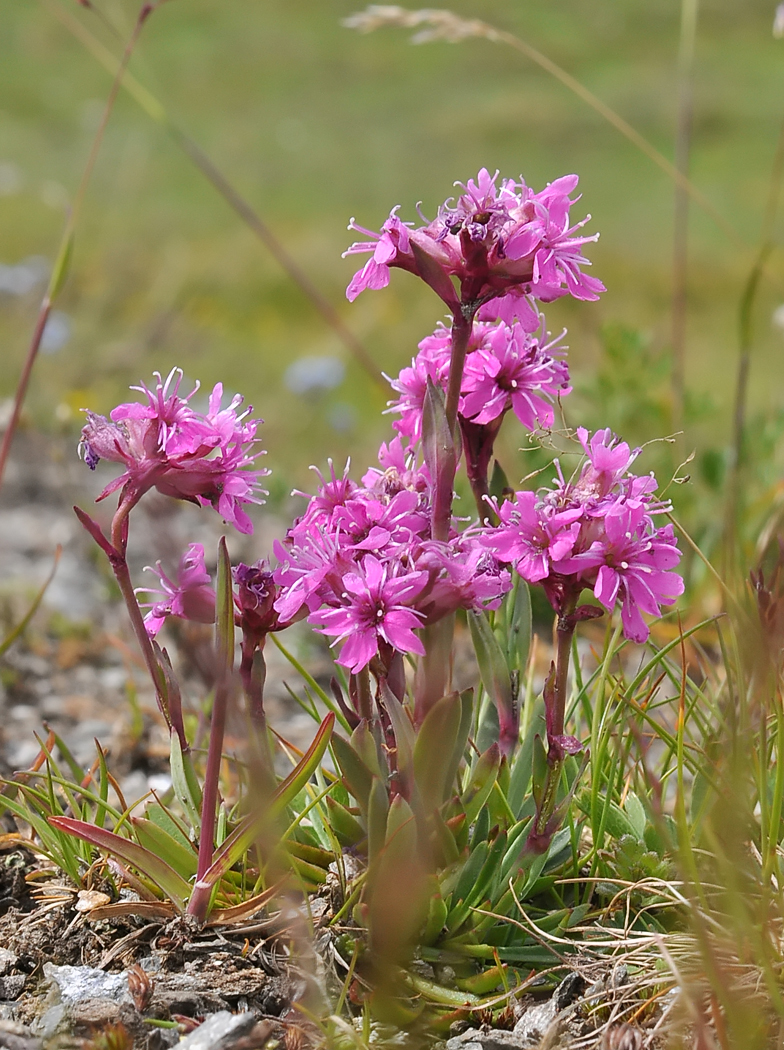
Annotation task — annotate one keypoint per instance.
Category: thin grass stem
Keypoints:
(60, 269)
(680, 247)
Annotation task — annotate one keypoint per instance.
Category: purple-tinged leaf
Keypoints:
(157, 870)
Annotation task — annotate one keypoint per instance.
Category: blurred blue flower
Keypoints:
(57, 332)
(23, 278)
(312, 375)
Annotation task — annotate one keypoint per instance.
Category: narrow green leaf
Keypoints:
(61, 852)
(522, 764)
(366, 746)
(157, 870)
(461, 741)
(635, 811)
(481, 828)
(398, 897)
(61, 267)
(151, 836)
(326, 699)
(378, 809)
(404, 732)
(469, 874)
(436, 918)
(478, 887)
(356, 775)
(224, 611)
(434, 748)
(496, 679)
(344, 824)
(184, 781)
(481, 784)
(539, 770)
(518, 642)
(246, 833)
(159, 814)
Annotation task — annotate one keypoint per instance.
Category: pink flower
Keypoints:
(371, 524)
(400, 470)
(492, 239)
(513, 370)
(594, 532)
(375, 610)
(432, 362)
(312, 565)
(332, 493)
(166, 445)
(190, 596)
(533, 537)
(631, 564)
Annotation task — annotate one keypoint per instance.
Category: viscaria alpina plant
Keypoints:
(432, 787)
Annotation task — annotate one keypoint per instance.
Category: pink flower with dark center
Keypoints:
(375, 609)
(492, 239)
(399, 469)
(166, 445)
(190, 596)
(630, 564)
(513, 370)
(532, 536)
(369, 524)
(594, 532)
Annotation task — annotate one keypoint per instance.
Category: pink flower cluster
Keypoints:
(362, 565)
(494, 241)
(167, 445)
(507, 367)
(594, 531)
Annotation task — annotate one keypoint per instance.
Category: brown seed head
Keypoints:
(622, 1037)
(141, 987)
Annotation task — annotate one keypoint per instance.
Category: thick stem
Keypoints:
(444, 481)
(462, 326)
(565, 626)
(253, 673)
(555, 713)
(478, 443)
(364, 696)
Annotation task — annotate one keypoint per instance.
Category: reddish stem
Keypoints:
(24, 381)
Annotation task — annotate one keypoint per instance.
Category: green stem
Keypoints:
(688, 32)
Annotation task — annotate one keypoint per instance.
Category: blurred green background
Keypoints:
(315, 123)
